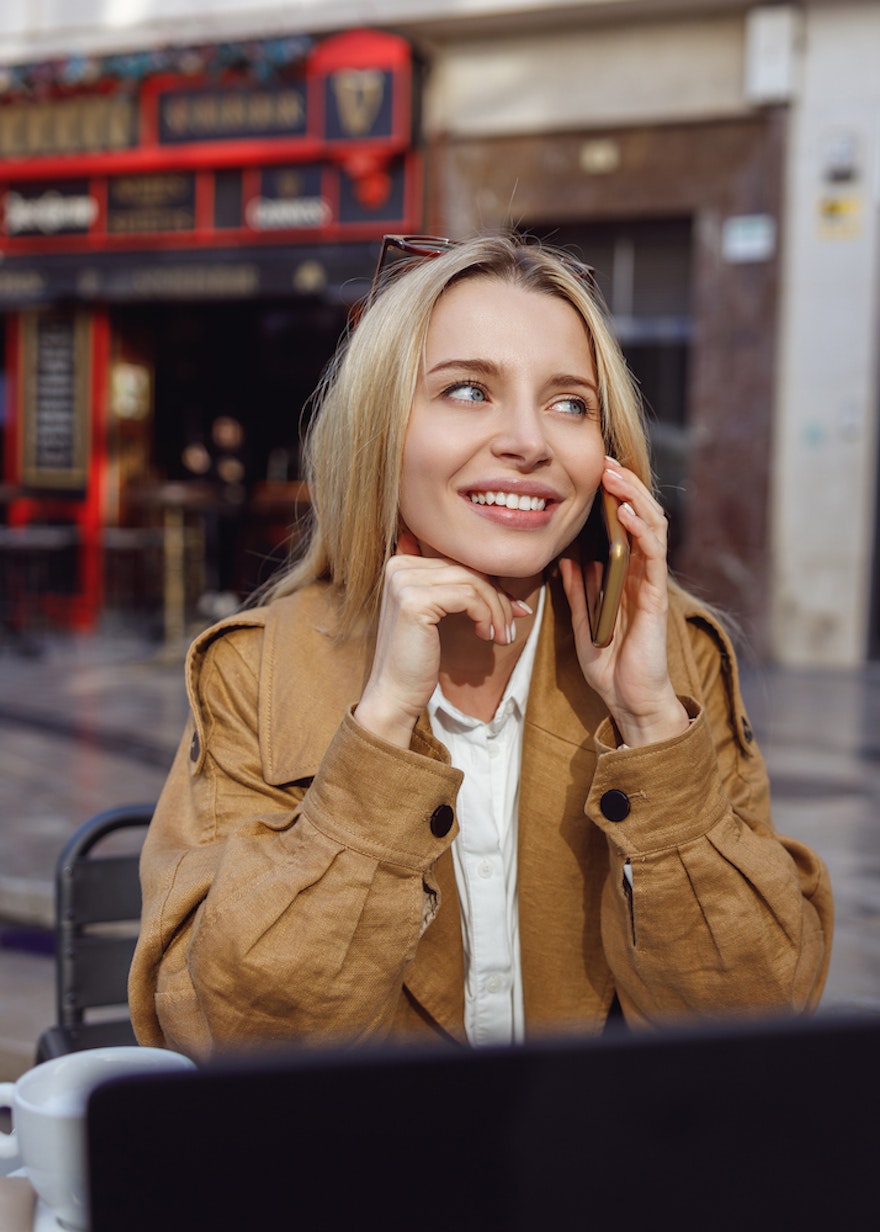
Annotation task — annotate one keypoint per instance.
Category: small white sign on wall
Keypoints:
(748, 237)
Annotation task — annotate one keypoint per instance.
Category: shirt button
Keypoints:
(495, 983)
(195, 747)
(484, 868)
(615, 804)
(441, 820)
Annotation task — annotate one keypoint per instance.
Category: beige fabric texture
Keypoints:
(294, 891)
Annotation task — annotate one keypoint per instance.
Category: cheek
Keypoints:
(418, 482)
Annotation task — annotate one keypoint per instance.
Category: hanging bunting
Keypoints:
(261, 60)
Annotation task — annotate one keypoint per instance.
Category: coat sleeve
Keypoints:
(277, 912)
(706, 908)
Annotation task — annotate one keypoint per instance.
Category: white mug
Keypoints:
(48, 1106)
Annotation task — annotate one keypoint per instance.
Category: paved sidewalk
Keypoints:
(90, 723)
(94, 722)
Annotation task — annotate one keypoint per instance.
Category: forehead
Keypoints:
(490, 312)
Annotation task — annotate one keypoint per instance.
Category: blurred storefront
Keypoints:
(716, 161)
(180, 242)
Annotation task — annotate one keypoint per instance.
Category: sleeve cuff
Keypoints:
(656, 796)
(393, 805)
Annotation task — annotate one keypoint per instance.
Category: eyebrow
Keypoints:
(489, 368)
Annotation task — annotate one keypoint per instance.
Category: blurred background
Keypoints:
(191, 203)
(192, 199)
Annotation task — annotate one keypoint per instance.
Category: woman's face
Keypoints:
(503, 450)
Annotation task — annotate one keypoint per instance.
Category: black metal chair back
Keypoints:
(97, 917)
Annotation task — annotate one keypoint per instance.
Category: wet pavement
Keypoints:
(93, 721)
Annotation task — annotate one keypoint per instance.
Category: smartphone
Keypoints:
(605, 540)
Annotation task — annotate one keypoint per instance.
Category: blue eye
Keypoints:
(571, 406)
(465, 391)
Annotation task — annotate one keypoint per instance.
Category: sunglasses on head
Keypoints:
(401, 253)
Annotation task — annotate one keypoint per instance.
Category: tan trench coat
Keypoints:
(294, 888)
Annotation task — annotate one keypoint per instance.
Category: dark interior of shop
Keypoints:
(231, 388)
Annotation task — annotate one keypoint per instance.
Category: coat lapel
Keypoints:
(308, 679)
(563, 860)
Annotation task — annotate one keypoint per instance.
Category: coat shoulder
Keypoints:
(701, 642)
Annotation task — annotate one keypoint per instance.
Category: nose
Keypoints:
(521, 435)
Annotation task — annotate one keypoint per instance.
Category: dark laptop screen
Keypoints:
(764, 1126)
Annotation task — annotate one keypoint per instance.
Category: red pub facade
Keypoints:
(181, 240)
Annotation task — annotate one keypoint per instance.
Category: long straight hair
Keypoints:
(353, 450)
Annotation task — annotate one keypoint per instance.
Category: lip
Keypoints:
(513, 519)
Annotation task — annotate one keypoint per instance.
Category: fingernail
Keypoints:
(628, 507)
(511, 633)
(612, 462)
(491, 633)
(521, 603)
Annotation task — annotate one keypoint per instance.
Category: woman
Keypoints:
(415, 800)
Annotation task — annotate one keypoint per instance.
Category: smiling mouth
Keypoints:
(508, 500)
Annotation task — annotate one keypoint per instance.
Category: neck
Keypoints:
(474, 673)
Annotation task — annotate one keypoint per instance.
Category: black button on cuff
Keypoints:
(615, 805)
(441, 820)
(195, 747)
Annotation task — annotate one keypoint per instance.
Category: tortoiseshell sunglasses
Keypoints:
(401, 253)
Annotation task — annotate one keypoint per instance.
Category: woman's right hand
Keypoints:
(419, 592)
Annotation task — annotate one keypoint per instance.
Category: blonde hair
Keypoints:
(354, 445)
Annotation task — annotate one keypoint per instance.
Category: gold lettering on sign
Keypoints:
(290, 109)
(204, 114)
(118, 124)
(70, 126)
(232, 113)
(260, 112)
(359, 94)
(174, 112)
(288, 184)
(148, 190)
(220, 115)
(66, 130)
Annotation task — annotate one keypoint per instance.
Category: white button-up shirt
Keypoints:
(485, 851)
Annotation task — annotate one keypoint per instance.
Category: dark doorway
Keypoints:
(643, 268)
(230, 386)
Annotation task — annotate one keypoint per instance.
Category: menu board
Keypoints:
(55, 435)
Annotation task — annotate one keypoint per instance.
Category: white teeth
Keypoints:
(509, 499)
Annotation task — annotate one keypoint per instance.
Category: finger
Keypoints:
(573, 584)
(627, 487)
(429, 588)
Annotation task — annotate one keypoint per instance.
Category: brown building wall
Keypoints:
(709, 172)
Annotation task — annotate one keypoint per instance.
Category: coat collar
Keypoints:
(300, 648)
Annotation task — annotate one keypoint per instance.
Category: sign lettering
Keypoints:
(56, 425)
(149, 203)
(224, 115)
(70, 126)
(62, 209)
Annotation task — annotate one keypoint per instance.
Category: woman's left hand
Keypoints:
(631, 674)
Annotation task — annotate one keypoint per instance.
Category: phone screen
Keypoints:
(603, 539)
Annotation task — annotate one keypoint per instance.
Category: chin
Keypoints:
(497, 565)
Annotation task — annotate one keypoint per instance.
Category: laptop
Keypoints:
(771, 1125)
